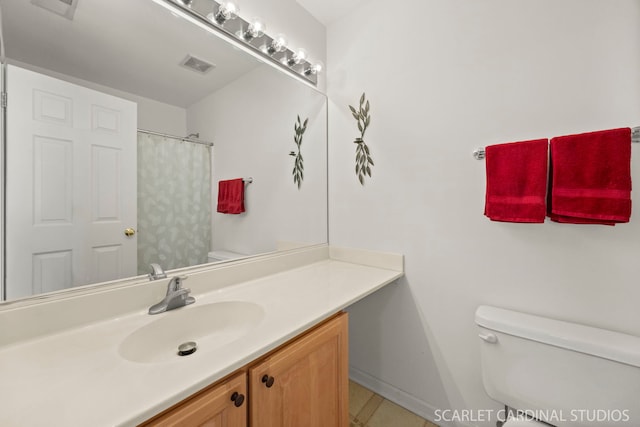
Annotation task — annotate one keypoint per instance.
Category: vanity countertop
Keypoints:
(78, 377)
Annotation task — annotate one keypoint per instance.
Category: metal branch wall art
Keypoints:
(298, 166)
(364, 162)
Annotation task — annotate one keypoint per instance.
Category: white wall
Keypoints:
(251, 122)
(160, 117)
(444, 77)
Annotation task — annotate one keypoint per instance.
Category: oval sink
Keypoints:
(211, 326)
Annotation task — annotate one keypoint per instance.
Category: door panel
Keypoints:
(51, 271)
(214, 407)
(306, 382)
(71, 185)
(105, 189)
(53, 181)
(106, 262)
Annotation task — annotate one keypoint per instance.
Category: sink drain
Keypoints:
(187, 348)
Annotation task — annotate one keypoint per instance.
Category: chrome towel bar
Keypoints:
(479, 152)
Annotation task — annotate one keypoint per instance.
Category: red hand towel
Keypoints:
(231, 196)
(591, 177)
(516, 181)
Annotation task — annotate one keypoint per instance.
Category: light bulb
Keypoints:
(298, 56)
(230, 8)
(278, 44)
(255, 29)
(226, 11)
(316, 68)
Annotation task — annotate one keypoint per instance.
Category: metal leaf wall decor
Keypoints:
(298, 165)
(364, 162)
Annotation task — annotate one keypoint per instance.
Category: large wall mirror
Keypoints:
(101, 180)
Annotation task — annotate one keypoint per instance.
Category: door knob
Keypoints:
(237, 399)
(268, 380)
(129, 232)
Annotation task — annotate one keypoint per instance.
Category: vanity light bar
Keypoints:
(237, 28)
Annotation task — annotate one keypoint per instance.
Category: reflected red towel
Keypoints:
(590, 180)
(516, 181)
(231, 196)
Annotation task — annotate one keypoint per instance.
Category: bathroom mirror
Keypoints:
(136, 69)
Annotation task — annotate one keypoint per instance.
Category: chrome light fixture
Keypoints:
(221, 17)
(255, 29)
(227, 10)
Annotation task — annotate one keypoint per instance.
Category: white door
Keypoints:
(71, 185)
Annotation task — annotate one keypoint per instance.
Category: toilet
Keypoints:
(561, 373)
(222, 255)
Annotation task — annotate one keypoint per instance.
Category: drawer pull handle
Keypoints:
(267, 380)
(237, 399)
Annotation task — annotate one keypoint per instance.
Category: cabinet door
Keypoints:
(306, 382)
(215, 407)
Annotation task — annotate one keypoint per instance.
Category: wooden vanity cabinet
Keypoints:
(303, 383)
(222, 405)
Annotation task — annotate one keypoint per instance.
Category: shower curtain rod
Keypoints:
(180, 138)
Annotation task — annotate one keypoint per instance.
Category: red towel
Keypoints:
(231, 196)
(590, 179)
(516, 181)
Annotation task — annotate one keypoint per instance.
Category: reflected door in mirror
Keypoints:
(71, 186)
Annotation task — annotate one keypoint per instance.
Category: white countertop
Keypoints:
(77, 377)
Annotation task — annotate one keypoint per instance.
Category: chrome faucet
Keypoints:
(176, 297)
(156, 272)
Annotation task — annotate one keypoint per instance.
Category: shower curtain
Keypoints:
(174, 202)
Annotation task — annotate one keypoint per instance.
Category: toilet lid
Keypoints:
(222, 254)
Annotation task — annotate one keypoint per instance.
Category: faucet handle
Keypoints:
(175, 284)
(179, 281)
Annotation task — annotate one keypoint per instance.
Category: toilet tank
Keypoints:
(223, 255)
(562, 373)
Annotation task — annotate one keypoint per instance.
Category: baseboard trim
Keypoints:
(398, 396)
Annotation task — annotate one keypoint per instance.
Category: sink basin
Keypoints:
(211, 326)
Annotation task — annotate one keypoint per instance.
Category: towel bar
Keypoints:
(479, 152)
(248, 180)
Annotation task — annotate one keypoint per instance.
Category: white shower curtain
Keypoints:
(174, 202)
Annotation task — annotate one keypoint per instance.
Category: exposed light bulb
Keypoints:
(255, 29)
(186, 2)
(316, 68)
(226, 11)
(299, 56)
(278, 44)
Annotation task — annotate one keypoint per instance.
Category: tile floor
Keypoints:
(367, 409)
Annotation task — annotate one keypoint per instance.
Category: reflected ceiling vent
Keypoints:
(66, 8)
(197, 65)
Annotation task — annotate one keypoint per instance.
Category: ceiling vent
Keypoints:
(66, 8)
(197, 65)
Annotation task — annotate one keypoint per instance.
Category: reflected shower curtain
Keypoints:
(174, 202)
